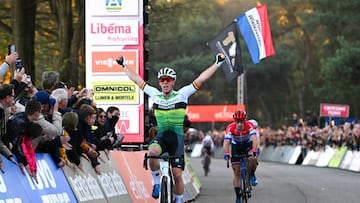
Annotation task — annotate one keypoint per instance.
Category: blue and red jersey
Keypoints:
(236, 136)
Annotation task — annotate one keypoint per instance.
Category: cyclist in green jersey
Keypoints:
(169, 108)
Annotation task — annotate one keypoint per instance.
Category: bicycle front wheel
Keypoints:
(206, 164)
(244, 197)
(164, 191)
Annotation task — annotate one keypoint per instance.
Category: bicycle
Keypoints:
(167, 179)
(246, 189)
(206, 163)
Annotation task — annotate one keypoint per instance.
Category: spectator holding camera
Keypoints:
(9, 61)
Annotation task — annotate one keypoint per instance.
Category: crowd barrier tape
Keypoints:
(122, 179)
(341, 158)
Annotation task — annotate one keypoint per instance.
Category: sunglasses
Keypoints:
(167, 79)
(102, 116)
(242, 121)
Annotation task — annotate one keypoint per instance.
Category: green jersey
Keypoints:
(170, 112)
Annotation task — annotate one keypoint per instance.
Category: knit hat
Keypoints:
(44, 98)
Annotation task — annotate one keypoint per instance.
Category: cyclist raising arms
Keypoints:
(169, 109)
(238, 135)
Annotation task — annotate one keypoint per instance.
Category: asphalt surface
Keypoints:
(280, 183)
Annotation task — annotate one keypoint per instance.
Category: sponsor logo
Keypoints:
(113, 5)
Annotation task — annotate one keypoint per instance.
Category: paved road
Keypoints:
(281, 183)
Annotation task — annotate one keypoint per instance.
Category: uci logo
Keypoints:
(113, 4)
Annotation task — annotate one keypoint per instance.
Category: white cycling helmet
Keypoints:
(168, 72)
(254, 122)
(207, 138)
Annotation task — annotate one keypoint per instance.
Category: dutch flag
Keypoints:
(255, 29)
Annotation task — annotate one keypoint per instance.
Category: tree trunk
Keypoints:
(24, 32)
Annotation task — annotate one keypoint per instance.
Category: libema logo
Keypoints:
(113, 5)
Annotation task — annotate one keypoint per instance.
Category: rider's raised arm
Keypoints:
(207, 73)
(129, 72)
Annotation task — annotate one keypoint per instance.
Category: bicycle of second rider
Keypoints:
(246, 189)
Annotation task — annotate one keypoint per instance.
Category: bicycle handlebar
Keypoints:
(241, 156)
(163, 157)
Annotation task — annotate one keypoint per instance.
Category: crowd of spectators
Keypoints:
(296, 133)
(54, 119)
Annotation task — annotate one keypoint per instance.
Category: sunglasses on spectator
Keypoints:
(102, 116)
(166, 79)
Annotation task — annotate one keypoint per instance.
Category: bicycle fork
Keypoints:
(244, 170)
(167, 175)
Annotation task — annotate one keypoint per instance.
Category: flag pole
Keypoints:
(240, 89)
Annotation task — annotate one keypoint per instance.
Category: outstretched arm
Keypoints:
(206, 74)
(130, 73)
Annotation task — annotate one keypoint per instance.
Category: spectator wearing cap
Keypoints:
(6, 100)
(51, 122)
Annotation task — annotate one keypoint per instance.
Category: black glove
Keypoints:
(219, 60)
(121, 61)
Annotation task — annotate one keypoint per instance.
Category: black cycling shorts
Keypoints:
(239, 148)
(173, 144)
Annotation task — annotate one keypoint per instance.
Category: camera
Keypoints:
(18, 64)
(11, 49)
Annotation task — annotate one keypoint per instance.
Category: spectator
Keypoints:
(51, 122)
(16, 129)
(32, 131)
(61, 97)
(79, 146)
(104, 136)
(87, 117)
(49, 80)
(6, 100)
(9, 61)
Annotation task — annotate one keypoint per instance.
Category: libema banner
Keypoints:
(255, 28)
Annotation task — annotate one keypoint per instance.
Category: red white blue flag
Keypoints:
(255, 29)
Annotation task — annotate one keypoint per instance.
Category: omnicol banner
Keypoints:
(212, 113)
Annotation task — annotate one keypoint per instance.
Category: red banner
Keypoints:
(334, 110)
(212, 113)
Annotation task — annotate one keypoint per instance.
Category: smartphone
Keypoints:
(11, 49)
(18, 63)
(28, 77)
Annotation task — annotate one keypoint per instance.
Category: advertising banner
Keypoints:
(138, 180)
(334, 110)
(114, 28)
(212, 113)
(51, 187)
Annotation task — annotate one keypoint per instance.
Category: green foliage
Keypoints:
(341, 74)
